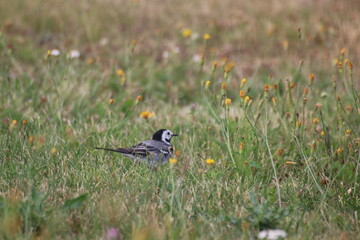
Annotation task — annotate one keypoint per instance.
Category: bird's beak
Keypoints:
(175, 135)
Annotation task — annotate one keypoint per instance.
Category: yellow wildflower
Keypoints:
(172, 161)
(343, 51)
(139, 98)
(24, 122)
(227, 101)
(53, 151)
(266, 87)
(210, 161)
(347, 131)
(316, 120)
(120, 72)
(298, 123)
(147, 115)
(31, 139)
(242, 93)
(111, 101)
(223, 85)
(207, 83)
(311, 76)
(322, 133)
(339, 150)
(229, 66)
(207, 36)
(274, 99)
(243, 81)
(90, 60)
(14, 123)
(241, 146)
(186, 32)
(247, 99)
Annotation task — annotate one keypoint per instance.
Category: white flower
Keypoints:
(54, 52)
(272, 234)
(194, 36)
(196, 58)
(74, 54)
(104, 41)
(165, 54)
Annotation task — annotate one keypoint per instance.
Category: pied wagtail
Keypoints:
(154, 151)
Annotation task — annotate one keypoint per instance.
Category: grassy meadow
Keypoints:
(265, 96)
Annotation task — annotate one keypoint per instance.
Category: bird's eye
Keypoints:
(168, 133)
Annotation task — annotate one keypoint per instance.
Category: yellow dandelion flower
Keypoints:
(210, 161)
(311, 77)
(214, 66)
(266, 87)
(298, 123)
(242, 93)
(343, 51)
(322, 133)
(172, 161)
(227, 101)
(229, 66)
(139, 98)
(223, 85)
(316, 120)
(207, 36)
(145, 115)
(207, 84)
(290, 163)
(90, 60)
(111, 101)
(120, 72)
(348, 131)
(243, 81)
(247, 99)
(53, 151)
(151, 114)
(285, 44)
(339, 150)
(186, 32)
(241, 146)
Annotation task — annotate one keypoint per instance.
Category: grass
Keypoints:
(286, 152)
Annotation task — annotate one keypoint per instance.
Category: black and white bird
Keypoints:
(154, 151)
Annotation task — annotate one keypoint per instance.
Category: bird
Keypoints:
(154, 151)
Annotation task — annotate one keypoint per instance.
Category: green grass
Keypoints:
(280, 161)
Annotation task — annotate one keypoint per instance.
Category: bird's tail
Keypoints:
(113, 150)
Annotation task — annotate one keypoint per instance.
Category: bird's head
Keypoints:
(164, 135)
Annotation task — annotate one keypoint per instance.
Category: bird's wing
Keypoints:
(139, 150)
